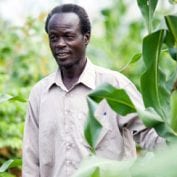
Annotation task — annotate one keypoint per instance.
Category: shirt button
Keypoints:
(67, 129)
(67, 111)
(68, 146)
(68, 162)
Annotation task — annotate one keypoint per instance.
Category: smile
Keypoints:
(62, 55)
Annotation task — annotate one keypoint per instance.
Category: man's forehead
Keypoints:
(65, 17)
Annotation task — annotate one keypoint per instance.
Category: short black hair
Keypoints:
(85, 24)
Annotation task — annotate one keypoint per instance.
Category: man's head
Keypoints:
(68, 28)
(72, 8)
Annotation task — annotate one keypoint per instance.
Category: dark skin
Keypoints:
(68, 46)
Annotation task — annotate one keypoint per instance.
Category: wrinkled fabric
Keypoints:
(54, 144)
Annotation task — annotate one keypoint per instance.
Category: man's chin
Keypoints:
(64, 64)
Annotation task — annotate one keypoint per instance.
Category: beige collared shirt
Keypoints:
(54, 143)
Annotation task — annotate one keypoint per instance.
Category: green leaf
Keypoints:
(150, 117)
(118, 99)
(173, 53)
(171, 22)
(164, 130)
(153, 81)
(169, 39)
(6, 97)
(93, 127)
(96, 173)
(10, 164)
(147, 8)
(161, 164)
(173, 116)
(104, 167)
(18, 98)
(171, 81)
(134, 59)
(173, 1)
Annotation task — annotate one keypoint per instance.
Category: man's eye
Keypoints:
(53, 38)
(69, 37)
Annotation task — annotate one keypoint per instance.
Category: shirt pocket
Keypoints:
(80, 123)
(107, 132)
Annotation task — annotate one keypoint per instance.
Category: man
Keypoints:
(54, 143)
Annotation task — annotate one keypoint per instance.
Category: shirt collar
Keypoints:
(87, 77)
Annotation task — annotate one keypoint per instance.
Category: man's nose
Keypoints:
(61, 42)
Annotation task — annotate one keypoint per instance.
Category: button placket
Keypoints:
(69, 128)
(69, 145)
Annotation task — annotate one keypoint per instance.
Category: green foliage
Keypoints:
(161, 164)
(10, 164)
(99, 167)
(6, 97)
(147, 8)
(158, 113)
(117, 41)
(173, 113)
(159, 91)
(93, 126)
(22, 64)
(156, 95)
(118, 99)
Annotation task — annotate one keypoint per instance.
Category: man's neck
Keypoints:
(70, 75)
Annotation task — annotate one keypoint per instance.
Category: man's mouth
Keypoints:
(62, 55)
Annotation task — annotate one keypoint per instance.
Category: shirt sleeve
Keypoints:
(30, 167)
(147, 138)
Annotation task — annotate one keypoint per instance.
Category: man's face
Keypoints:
(67, 42)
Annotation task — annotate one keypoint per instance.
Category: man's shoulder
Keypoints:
(111, 76)
(43, 84)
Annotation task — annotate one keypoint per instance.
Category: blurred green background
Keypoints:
(25, 58)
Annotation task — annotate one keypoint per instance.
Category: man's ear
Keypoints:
(86, 38)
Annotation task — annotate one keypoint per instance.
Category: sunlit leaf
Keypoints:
(147, 8)
(150, 165)
(173, 1)
(104, 167)
(96, 173)
(118, 99)
(6, 97)
(150, 117)
(153, 81)
(174, 110)
(18, 98)
(10, 164)
(93, 127)
(159, 164)
(136, 57)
